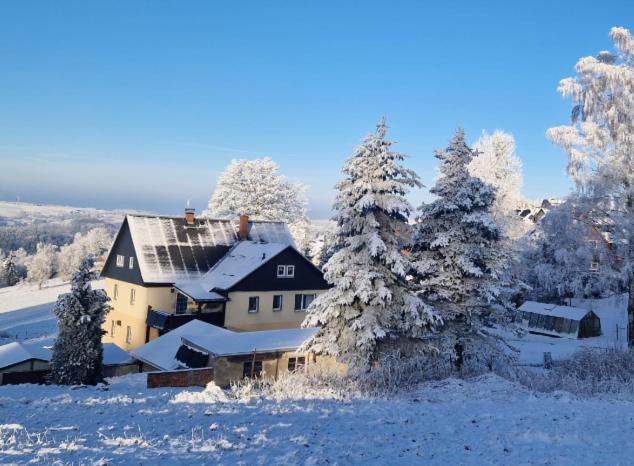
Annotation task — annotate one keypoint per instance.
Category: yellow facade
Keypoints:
(129, 311)
(238, 317)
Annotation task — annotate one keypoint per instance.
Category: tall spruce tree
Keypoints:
(459, 265)
(9, 272)
(370, 307)
(78, 351)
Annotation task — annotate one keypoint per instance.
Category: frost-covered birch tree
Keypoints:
(599, 141)
(459, 266)
(370, 307)
(78, 351)
(93, 243)
(42, 265)
(497, 164)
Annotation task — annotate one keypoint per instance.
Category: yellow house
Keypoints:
(163, 272)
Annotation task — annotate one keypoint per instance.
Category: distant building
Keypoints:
(559, 321)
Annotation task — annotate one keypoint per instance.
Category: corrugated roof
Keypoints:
(247, 342)
(170, 250)
(240, 261)
(161, 352)
(17, 352)
(567, 312)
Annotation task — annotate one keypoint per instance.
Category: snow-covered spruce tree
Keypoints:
(458, 264)
(9, 271)
(78, 351)
(599, 142)
(370, 307)
(497, 164)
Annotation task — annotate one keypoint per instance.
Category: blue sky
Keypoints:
(140, 104)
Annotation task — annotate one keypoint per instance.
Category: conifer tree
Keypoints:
(458, 264)
(370, 307)
(10, 275)
(78, 351)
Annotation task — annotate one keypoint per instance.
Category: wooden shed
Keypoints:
(559, 321)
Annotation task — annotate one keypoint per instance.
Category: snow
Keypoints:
(484, 421)
(244, 258)
(198, 291)
(160, 352)
(567, 312)
(115, 355)
(17, 352)
(245, 343)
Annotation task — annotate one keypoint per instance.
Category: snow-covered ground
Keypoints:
(486, 421)
(26, 311)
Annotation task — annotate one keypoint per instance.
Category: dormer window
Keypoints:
(120, 260)
(285, 271)
(131, 263)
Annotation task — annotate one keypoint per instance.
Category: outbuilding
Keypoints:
(559, 321)
(23, 363)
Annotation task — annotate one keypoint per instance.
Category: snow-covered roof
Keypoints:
(248, 342)
(197, 291)
(114, 355)
(170, 250)
(17, 352)
(240, 261)
(161, 351)
(567, 312)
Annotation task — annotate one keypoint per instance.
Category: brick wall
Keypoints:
(183, 378)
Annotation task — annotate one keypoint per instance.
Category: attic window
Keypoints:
(120, 260)
(285, 271)
(131, 263)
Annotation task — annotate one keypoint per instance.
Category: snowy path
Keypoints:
(489, 421)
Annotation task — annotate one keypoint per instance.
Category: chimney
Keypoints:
(243, 232)
(190, 216)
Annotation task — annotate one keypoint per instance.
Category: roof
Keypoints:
(169, 249)
(247, 342)
(161, 352)
(244, 258)
(17, 352)
(114, 355)
(196, 290)
(567, 312)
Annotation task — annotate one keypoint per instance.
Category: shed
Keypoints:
(21, 362)
(559, 321)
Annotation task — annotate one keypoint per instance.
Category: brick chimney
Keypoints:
(243, 232)
(190, 215)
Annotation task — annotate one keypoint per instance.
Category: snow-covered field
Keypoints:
(24, 213)
(486, 421)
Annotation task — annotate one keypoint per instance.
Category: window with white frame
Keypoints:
(132, 295)
(254, 304)
(285, 271)
(128, 334)
(296, 363)
(594, 266)
(277, 302)
(302, 301)
(131, 263)
(120, 260)
(115, 292)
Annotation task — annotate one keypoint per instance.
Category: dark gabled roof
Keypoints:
(168, 249)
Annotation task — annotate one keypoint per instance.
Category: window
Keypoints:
(113, 326)
(594, 244)
(302, 301)
(128, 334)
(131, 263)
(594, 266)
(249, 369)
(296, 363)
(115, 292)
(132, 295)
(181, 303)
(254, 304)
(285, 271)
(277, 302)
(120, 260)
